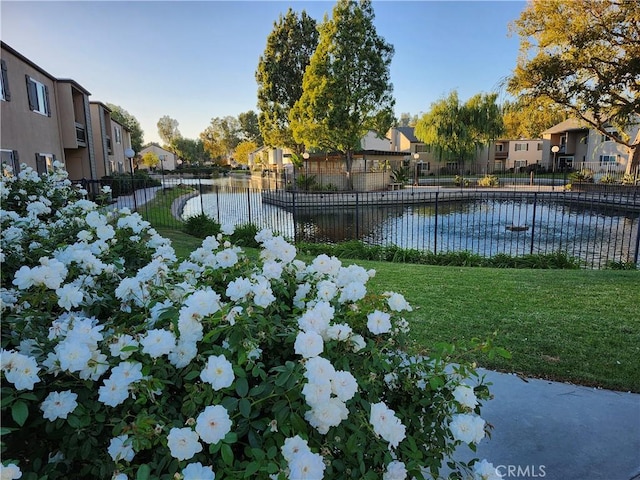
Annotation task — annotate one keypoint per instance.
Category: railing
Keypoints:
(595, 227)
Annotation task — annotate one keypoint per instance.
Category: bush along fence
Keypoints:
(120, 361)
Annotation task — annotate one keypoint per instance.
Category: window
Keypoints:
(607, 138)
(44, 162)
(522, 146)
(423, 148)
(499, 147)
(112, 167)
(4, 82)
(120, 167)
(608, 159)
(10, 158)
(117, 134)
(38, 97)
(518, 164)
(539, 147)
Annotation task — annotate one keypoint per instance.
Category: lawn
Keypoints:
(580, 326)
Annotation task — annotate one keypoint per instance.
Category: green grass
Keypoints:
(158, 210)
(580, 326)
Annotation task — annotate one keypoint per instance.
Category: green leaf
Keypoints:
(227, 454)
(20, 412)
(144, 472)
(245, 407)
(242, 387)
(192, 375)
(252, 468)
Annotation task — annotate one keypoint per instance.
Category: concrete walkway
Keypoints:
(143, 196)
(557, 431)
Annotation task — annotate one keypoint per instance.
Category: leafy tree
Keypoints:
(241, 154)
(346, 87)
(150, 159)
(529, 119)
(279, 75)
(130, 122)
(221, 137)
(168, 129)
(190, 151)
(583, 56)
(250, 127)
(407, 120)
(458, 130)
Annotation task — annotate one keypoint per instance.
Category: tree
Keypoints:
(346, 88)
(279, 76)
(458, 130)
(190, 151)
(241, 154)
(150, 159)
(529, 119)
(129, 122)
(407, 120)
(250, 127)
(583, 56)
(168, 129)
(221, 137)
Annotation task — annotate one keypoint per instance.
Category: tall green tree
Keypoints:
(221, 137)
(583, 56)
(130, 122)
(279, 75)
(458, 130)
(168, 129)
(346, 88)
(250, 128)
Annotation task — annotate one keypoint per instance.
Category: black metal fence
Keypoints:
(598, 227)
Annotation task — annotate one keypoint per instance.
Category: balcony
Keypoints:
(501, 155)
(81, 135)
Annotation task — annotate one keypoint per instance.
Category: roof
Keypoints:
(567, 126)
(409, 133)
(149, 147)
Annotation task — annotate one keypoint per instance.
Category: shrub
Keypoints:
(201, 226)
(118, 361)
(629, 179)
(581, 176)
(489, 181)
(608, 179)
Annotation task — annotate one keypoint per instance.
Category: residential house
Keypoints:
(511, 156)
(42, 118)
(418, 155)
(111, 140)
(168, 160)
(581, 147)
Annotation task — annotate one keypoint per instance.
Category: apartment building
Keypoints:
(513, 155)
(111, 140)
(576, 145)
(44, 119)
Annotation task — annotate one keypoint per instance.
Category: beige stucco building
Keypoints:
(44, 119)
(168, 160)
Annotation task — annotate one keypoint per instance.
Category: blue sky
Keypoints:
(195, 61)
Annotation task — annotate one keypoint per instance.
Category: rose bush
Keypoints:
(120, 361)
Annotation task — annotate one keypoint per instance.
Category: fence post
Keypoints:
(295, 223)
(533, 221)
(218, 202)
(249, 203)
(357, 217)
(637, 252)
(435, 228)
(200, 192)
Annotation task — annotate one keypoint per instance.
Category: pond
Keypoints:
(487, 225)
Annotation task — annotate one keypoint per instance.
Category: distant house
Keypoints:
(582, 147)
(43, 118)
(168, 160)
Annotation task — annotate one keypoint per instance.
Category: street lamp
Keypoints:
(305, 155)
(555, 149)
(416, 157)
(130, 153)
